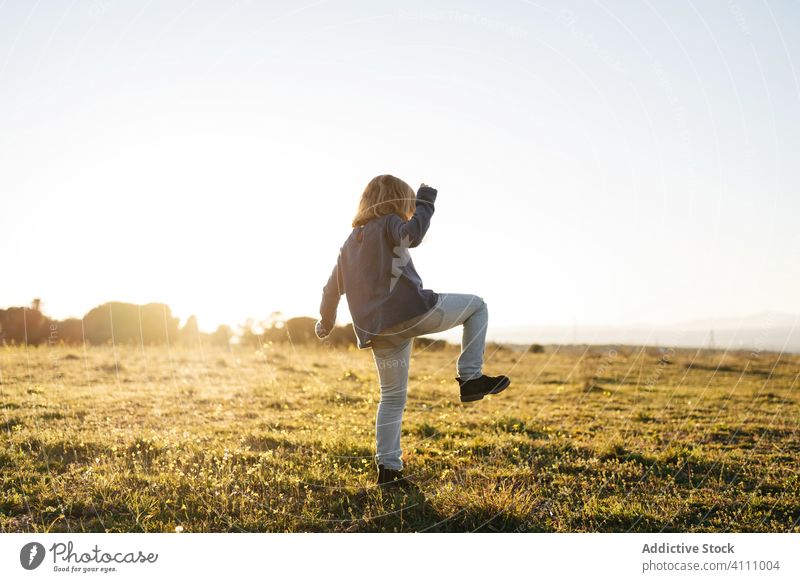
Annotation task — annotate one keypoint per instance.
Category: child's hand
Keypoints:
(321, 331)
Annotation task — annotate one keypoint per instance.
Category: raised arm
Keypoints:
(331, 294)
(414, 230)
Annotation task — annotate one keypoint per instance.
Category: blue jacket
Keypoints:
(375, 270)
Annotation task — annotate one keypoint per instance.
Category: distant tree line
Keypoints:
(153, 323)
(296, 330)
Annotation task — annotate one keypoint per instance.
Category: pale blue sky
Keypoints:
(606, 162)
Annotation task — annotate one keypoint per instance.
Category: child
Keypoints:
(389, 307)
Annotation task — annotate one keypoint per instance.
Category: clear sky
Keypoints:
(597, 162)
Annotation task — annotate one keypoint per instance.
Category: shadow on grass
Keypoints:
(375, 509)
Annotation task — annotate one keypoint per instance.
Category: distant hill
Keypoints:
(764, 332)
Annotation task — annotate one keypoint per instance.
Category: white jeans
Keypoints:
(392, 352)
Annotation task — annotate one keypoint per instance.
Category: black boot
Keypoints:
(477, 388)
(392, 478)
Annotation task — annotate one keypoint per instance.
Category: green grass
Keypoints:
(282, 438)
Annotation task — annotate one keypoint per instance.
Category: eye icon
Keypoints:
(31, 555)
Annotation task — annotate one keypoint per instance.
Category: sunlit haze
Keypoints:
(604, 163)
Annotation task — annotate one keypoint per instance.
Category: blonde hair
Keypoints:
(384, 195)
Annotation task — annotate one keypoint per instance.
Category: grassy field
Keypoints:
(282, 439)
